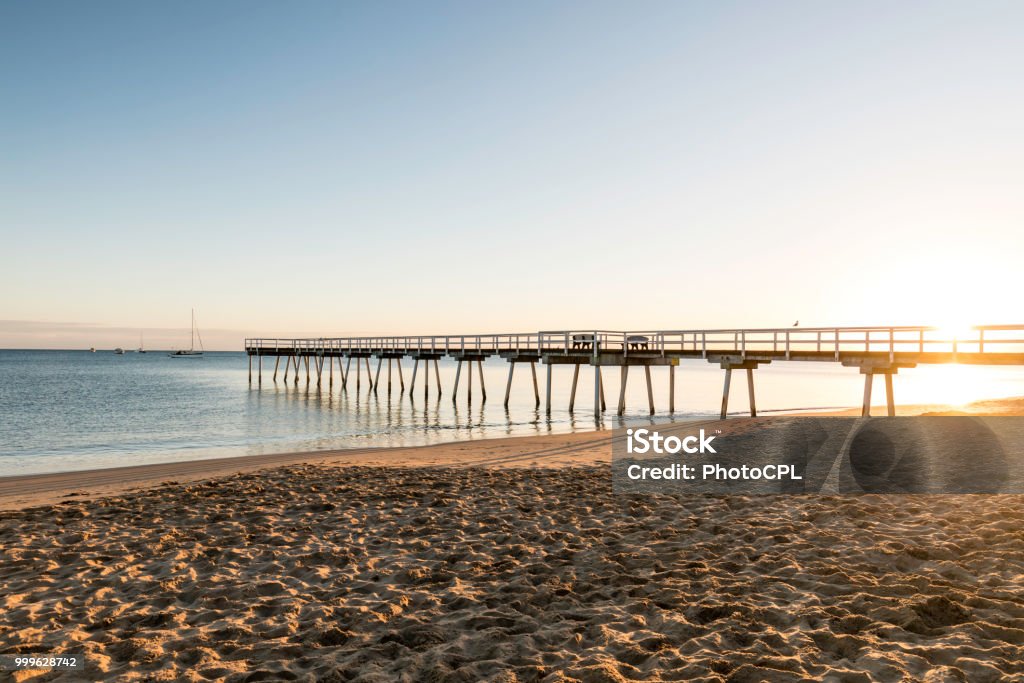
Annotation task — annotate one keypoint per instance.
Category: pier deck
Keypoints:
(873, 350)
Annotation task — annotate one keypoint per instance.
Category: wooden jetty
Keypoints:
(872, 350)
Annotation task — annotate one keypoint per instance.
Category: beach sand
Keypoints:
(500, 560)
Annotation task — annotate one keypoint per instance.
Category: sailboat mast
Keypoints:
(193, 347)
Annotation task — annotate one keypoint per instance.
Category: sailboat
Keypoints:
(142, 346)
(191, 351)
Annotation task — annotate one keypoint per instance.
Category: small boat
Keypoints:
(92, 349)
(142, 347)
(119, 351)
(191, 351)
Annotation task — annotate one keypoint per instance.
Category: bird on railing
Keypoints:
(796, 324)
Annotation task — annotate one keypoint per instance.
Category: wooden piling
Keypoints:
(650, 390)
(455, 388)
(426, 378)
(750, 392)
(483, 389)
(624, 376)
(725, 393)
(536, 389)
(671, 389)
(575, 380)
(437, 376)
(508, 385)
(865, 410)
(890, 403)
(547, 392)
(277, 361)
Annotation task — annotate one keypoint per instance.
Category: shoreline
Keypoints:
(26, 490)
(587, 447)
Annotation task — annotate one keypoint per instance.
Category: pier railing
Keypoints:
(781, 342)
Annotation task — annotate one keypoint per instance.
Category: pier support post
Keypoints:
(483, 389)
(330, 372)
(368, 380)
(575, 379)
(869, 370)
(401, 376)
(287, 365)
(598, 393)
(624, 377)
(508, 385)
(469, 382)
(725, 392)
(650, 390)
(415, 369)
(389, 376)
(359, 376)
(344, 375)
(376, 379)
(250, 368)
(671, 389)
(750, 391)
(426, 378)
(547, 393)
(455, 388)
(259, 369)
(318, 361)
(600, 383)
(437, 376)
(890, 403)
(865, 410)
(729, 366)
(277, 362)
(536, 389)
(298, 361)
(305, 359)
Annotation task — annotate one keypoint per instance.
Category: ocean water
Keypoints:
(73, 410)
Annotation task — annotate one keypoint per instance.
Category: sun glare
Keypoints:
(953, 385)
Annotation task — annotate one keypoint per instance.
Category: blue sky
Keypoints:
(337, 168)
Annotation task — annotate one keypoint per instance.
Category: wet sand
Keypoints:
(501, 560)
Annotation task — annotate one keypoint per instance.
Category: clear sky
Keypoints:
(322, 168)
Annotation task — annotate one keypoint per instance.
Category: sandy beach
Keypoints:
(499, 560)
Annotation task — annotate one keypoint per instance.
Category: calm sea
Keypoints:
(72, 410)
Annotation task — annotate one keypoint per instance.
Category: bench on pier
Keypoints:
(584, 342)
(637, 342)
